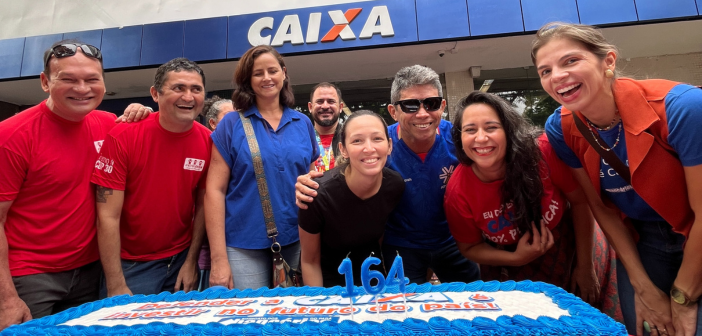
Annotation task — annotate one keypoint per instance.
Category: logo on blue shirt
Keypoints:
(445, 175)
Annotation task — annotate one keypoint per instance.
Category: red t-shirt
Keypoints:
(474, 208)
(160, 172)
(46, 162)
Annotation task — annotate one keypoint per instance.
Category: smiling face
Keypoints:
(574, 76)
(418, 129)
(267, 77)
(75, 85)
(325, 106)
(182, 97)
(483, 137)
(365, 145)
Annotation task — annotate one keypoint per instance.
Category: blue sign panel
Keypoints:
(325, 28)
(121, 47)
(657, 9)
(594, 12)
(442, 19)
(92, 37)
(161, 42)
(489, 17)
(331, 28)
(33, 57)
(11, 57)
(540, 12)
(205, 39)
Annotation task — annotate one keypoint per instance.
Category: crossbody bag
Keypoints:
(283, 274)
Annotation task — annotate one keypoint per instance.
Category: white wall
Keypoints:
(20, 18)
(686, 68)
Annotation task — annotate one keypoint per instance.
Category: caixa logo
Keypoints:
(290, 30)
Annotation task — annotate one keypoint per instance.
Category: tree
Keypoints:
(539, 107)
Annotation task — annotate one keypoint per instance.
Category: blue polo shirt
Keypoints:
(683, 106)
(286, 152)
(419, 220)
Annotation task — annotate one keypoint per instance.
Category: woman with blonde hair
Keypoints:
(632, 147)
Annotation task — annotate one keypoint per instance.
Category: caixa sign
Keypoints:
(340, 26)
(289, 29)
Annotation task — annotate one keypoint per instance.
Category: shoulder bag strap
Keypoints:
(271, 229)
(600, 146)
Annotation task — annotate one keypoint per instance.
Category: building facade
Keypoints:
(357, 44)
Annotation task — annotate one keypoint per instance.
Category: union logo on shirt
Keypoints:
(98, 145)
(194, 164)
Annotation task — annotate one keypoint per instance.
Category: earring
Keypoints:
(609, 73)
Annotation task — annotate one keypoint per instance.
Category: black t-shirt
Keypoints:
(347, 223)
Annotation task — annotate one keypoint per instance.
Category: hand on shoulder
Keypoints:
(134, 112)
(305, 189)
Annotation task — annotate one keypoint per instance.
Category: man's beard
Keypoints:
(326, 122)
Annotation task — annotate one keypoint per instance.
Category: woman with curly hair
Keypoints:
(513, 206)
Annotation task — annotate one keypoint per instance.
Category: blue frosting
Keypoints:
(251, 330)
(369, 327)
(584, 319)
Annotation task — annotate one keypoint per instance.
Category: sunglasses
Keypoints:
(412, 105)
(70, 49)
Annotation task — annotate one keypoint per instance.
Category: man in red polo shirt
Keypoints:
(150, 179)
(48, 250)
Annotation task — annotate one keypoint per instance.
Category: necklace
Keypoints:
(614, 122)
(619, 133)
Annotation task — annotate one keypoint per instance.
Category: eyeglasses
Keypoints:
(412, 105)
(70, 49)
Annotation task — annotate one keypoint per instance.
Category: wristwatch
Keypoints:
(681, 298)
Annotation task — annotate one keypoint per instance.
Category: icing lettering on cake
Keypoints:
(491, 308)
